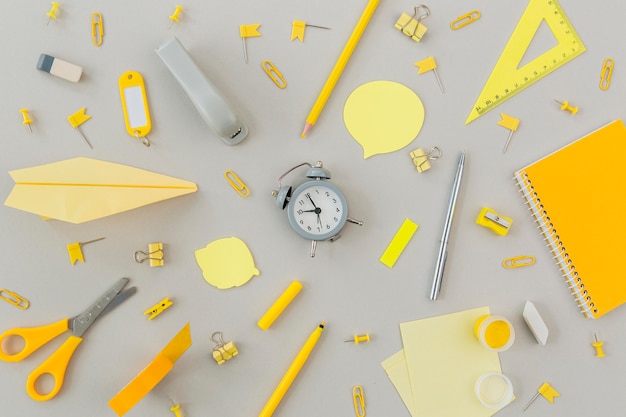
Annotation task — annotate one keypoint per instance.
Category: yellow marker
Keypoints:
(274, 74)
(421, 159)
(297, 29)
(135, 106)
(158, 308)
(546, 391)
(97, 29)
(26, 120)
(412, 26)
(154, 255)
(78, 119)
(510, 123)
(518, 262)
(607, 72)
(598, 345)
(14, 299)
(492, 220)
(566, 106)
(75, 250)
(359, 401)
(236, 183)
(363, 338)
(175, 16)
(279, 305)
(292, 372)
(248, 31)
(398, 243)
(465, 20)
(426, 65)
(52, 14)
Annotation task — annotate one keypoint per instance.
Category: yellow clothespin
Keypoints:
(426, 65)
(76, 252)
(248, 31)
(14, 299)
(598, 345)
(421, 159)
(274, 74)
(223, 352)
(607, 72)
(518, 262)
(154, 255)
(465, 20)
(236, 183)
(52, 14)
(26, 120)
(175, 16)
(78, 119)
(413, 26)
(297, 29)
(546, 391)
(158, 308)
(492, 220)
(510, 123)
(359, 401)
(565, 106)
(97, 29)
(175, 408)
(359, 338)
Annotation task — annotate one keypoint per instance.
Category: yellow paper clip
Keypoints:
(154, 255)
(518, 261)
(14, 299)
(158, 308)
(421, 159)
(412, 26)
(236, 183)
(492, 220)
(607, 72)
(465, 20)
(359, 338)
(97, 30)
(222, 351)
(359, 401)
(274, 74)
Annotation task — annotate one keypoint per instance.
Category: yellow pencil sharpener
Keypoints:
(494, 221)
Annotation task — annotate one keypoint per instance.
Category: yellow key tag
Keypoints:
(135, 105)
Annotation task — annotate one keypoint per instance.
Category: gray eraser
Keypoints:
(212, 106)
(59, 68)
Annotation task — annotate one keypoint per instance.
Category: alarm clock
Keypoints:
(317, 209)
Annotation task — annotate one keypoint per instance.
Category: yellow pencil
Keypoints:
(339, 66)
(292, 372)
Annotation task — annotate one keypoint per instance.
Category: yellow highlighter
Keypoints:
(279, 305)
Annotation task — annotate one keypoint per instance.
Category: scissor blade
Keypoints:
(82, 322)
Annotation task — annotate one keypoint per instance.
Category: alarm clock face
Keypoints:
(317, 210)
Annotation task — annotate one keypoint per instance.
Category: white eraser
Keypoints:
(535, 323)
(59, 68)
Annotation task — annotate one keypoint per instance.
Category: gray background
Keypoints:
(345, 284)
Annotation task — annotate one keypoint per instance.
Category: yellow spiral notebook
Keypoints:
(577, 196)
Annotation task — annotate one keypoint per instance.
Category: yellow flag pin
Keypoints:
(78, 119)
(426, 65)
(248, 31)
(510, 123)
(546, 391)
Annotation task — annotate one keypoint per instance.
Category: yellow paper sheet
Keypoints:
(226, 263)
(396, 369)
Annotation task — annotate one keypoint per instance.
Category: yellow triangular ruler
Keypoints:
(507, 79)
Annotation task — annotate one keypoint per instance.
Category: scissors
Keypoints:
(36, 337)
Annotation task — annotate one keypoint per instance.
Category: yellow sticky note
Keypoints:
(78, 118)
(226, 263)
(395, 367)
(398, 243)
(249, 31)
(426, 65)
(383, 116)
(297, 30)
(508, 122)
(76, 252)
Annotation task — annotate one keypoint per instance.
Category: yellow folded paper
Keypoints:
(83, 189)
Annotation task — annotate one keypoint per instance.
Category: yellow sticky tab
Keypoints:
(548, 392)
(398, 243)
(297, 30)
(76, 252)
(426, 65)
(508, 122)
(152, 374)
(249, 31)
(78, 118)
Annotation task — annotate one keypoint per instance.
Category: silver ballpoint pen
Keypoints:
(443, 248)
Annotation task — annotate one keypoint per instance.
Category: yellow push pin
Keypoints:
(174, 17)
(27, 121)
(598, 345)
(566, 106)
(359, 339)
(52, 14)
(175, 408)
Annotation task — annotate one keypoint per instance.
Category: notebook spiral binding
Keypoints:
(552, 239)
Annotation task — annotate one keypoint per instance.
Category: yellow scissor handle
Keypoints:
(34, 338)
(55, 365)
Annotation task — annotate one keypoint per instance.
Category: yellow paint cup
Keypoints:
(494, 332)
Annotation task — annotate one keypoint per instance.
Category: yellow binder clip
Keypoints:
(421, 159)
(154, 255)
(518, 261)
(465, 20)
(607, 72)
(97, 30)
(158, 308)
(223, 352)
(14, 299)
(236, 183)
(412, 26)
(492, 220)
(274, 74)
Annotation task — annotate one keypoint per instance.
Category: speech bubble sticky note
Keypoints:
(383, 116)
(226, 263)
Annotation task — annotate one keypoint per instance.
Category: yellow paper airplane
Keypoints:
(82, 189)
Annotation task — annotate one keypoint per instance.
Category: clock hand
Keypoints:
(311, 200)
